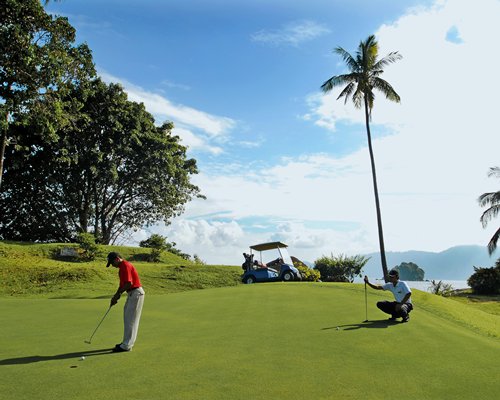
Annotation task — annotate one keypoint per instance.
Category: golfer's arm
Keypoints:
(406, 298)
(376, 287)
(123, 288)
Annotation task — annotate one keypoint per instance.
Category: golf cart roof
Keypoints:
(268, 246)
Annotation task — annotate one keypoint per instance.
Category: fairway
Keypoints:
(265, 341)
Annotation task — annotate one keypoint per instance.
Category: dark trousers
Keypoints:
(389, 307)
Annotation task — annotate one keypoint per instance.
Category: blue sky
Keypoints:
(279, 160)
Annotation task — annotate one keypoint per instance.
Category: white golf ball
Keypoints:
(82, 358)
(338, 328)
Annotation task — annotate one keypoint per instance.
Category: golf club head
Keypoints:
(87, 341)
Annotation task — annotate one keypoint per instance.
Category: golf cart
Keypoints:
(278, 269)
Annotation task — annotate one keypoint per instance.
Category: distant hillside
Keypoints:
(456, 263)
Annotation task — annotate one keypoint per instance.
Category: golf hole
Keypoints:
(74, 366)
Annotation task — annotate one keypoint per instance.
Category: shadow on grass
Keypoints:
(382, 323)
(79, 297)
(67, 356)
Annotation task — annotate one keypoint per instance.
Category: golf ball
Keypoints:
(338, 328)
(82, 358)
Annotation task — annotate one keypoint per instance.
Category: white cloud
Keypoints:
(209, 128)
(196, 142)
(175, 85)
(292, 34)
(430, 170)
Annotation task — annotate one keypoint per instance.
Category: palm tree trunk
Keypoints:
(3, 145)
(375, 190)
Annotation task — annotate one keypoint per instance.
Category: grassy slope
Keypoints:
(250, 342)
(31, 269)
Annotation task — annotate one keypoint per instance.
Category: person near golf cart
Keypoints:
(402, 294)
(130, 283)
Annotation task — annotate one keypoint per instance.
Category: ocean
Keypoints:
(424, 286)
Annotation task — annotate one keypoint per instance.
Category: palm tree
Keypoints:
(365, 69)
(492, 200)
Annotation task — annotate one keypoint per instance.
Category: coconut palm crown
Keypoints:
(492, 201)
(363, 77)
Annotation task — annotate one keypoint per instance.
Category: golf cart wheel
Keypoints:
(287, 276)
(250, 279)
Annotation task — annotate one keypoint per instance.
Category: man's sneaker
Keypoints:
(393, 318)
(406, 319)
(119, 349)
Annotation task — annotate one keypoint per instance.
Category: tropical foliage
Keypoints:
(363, 78)
(340, 268)
(441, 288)
(492, 201)
(112, 170)
(88, 246)
(486, 280)
(38, 61)
(82, 158)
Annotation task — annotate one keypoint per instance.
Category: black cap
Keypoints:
(393, 272)
(112, 257)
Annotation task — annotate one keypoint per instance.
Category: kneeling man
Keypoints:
(402, 294)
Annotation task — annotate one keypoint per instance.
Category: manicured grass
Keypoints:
(265, 341)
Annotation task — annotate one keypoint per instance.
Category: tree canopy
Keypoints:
(491, 200)
(38, 60)
(108, 171)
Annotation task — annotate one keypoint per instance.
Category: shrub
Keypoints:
(88, 246)
(308, 274)
(441, 288)
(485, 280)
(340, 268)
(157, 243)
(197, 260)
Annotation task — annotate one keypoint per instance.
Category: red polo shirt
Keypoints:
(128, 273)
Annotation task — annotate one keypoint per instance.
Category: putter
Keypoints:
(95, 330)
(366, 305)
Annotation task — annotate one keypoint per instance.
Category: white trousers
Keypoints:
(131, 317)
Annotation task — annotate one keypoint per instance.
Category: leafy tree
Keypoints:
(172, 249)
(410, 271)
(364, 76)
(37, 61)
(111, 170)
(340, 268)
(157, 244)
(492, 201)
(486, 280)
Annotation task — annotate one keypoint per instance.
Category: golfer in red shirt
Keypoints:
(130, 283)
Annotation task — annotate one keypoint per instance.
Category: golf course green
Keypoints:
(264, 341)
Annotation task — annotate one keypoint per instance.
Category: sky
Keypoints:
(280, 160)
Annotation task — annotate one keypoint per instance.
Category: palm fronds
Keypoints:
(492, 201)
(365, 69)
